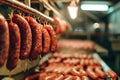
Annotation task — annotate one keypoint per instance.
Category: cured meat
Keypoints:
(14, 50)
(53, 37)
(36, 29)
(4, 40)
(26, 36)
(46, 40)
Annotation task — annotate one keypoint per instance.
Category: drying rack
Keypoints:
(26, 9)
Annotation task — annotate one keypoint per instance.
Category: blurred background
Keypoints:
(96, 20)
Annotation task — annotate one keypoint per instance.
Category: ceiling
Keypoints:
(59, 5)
(92, 14)
(84, 17)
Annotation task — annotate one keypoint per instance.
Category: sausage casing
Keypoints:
(91, 73)
(85, 78)
(36, 29)
(14, 50)
(26, 35)
(112, 74)
(46, 40)
(53, 37)
(33, 77)
(4, 40)
(100, 72)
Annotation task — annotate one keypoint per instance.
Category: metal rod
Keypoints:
(53, 9)
(20, 6)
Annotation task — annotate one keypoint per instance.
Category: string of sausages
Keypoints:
(61, 26)
(24, 38)
(77, 44)
(72, 67)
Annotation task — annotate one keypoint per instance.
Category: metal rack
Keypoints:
(24, 8)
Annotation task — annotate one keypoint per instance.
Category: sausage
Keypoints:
(86, 61)
(67, 69)
(85, 78)
(76, 78)
(53, 37)
(75, 71)
(51, 76)
(68, 77)
(53, 60)
(60, 77)
(82, 72)
(58, 69)
(100, 72)
(82, 62)
(14, 50)
(89, 56)
(26, 36)
(112, 74)
(4, 40)
(58, 25)
(46, 40)
(36, 29)
(96, 62)
(42, 76)
(91, 73)
(33, 77)
(91, 62)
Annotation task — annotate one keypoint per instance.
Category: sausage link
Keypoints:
(58, 25)
(82, 72)
(53, 37)
(75, 71)
(91, 73)
(82, 62)
(60, 77)
(14, 50)
(85, 78)
(112, 74)
(50, 77)
(26, 35)
(100, 72)
(33, 77)
(36, 29)
(76, 78)
(4, 40)
(68, 77)
(42, 76)
(46, 40)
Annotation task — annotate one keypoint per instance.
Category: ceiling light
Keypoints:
(94, 7)
(96, 25)
(73, 9)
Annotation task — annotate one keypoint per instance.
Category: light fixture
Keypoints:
(96, 25)
(95, 5)
(73, 9)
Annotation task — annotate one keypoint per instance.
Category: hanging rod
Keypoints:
(22, 7)
(53, 9)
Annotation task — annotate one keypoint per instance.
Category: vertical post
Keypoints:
(27, 2)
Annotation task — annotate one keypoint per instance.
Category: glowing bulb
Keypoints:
(94, 7)
(73, 10)
(96, 25)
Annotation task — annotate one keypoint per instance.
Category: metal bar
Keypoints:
(54, 10)
(104, 65)
(20, 6)
(46, 3)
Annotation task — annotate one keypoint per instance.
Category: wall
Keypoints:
(114, 21)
